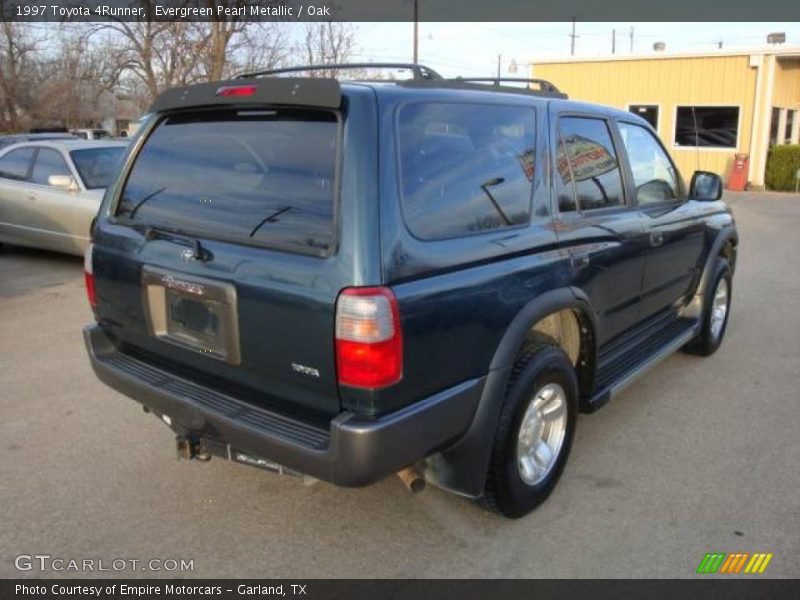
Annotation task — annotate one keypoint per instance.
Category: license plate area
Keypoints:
(195, 313)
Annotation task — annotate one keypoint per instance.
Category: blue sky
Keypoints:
(472, 48)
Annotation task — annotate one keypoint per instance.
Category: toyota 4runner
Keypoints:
(429, 277)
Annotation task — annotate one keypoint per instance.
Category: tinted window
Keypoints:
(263, 177)
(100, 134)
(653, 173)
(717, 126)
(565, 189)
(591, 161)
(14, 165)
(97, 166)
(48, 162)
(465, 168)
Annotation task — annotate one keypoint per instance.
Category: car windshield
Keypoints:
(96, 166)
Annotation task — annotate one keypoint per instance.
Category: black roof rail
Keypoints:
(475, 85)
(420, 72)
(544, 85)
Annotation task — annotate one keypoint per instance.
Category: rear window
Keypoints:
(261, 177)
(465, 168)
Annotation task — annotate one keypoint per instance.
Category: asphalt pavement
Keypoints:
(702, 455)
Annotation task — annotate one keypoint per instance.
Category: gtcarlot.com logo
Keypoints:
(734, 563)
(47, 562)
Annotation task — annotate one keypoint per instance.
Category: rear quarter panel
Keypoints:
(457, 297)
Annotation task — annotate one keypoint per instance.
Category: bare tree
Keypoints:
(160, 54)
(328, 43)
(79, 77)
(261, 46)
(18, 46)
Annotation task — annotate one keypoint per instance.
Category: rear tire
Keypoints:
(534, 433)
(716, 309)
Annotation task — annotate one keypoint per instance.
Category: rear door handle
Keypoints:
(656, 238)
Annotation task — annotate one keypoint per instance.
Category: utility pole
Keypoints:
(416, 31)
(573, 36)
(613, 41)
(499, 58)
(631, 39)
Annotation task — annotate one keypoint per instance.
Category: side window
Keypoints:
(653, 173)
(465, 168)
(15, 164)
(593, 162)
(48, 162)
(565, 189)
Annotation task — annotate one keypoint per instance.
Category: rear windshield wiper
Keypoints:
(271, 218)
(149, 196)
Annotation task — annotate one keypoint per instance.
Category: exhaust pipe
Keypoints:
(412, 479)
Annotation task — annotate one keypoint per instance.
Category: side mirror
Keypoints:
(705, 186)
(63, 182)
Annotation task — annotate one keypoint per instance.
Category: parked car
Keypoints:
(91, 134)
(428, 277)
(50, 191)
(17, 138)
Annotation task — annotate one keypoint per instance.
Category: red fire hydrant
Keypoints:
(738, 177)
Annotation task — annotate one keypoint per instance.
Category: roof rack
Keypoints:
(544, 85)
(420, 72)
(548, 90)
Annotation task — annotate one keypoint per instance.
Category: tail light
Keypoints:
(88, 274)
(369, 342)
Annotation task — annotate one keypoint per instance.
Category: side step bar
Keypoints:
(617, 374)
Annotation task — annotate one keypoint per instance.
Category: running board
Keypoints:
(618, 374)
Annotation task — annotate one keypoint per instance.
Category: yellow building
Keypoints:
(706, 107)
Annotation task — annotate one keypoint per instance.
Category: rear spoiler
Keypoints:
(292, 91)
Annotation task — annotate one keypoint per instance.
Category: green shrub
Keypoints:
(782, 164)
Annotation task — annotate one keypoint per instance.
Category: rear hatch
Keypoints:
(216, 259)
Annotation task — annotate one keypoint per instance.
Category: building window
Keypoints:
(707, 126)
(773, 125)
(649, 112)
(791, 115)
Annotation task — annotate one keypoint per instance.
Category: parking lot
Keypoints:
(702, 455)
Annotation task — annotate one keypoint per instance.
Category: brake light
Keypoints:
(236, 90)
(369, 342)
(88, 275)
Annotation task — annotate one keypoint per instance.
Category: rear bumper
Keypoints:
(354, 451)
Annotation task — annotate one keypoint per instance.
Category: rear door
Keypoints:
(673, 227)
(597, 224)
(54, 216)
(218, 259)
